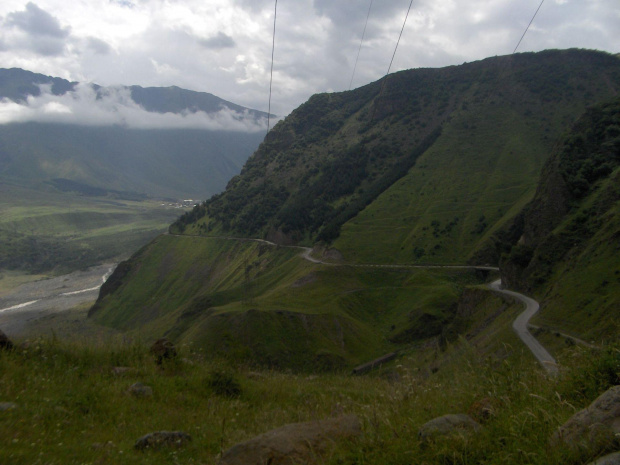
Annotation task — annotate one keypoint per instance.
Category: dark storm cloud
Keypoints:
(219, 41)
(37, 22)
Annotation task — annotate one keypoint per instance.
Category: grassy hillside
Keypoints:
(565, 245)
(267, 305)
(439, 158)
(428, 166)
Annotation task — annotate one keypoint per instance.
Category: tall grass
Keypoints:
(74, 408)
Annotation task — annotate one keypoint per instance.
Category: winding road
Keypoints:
(34, 300)
(520, 327)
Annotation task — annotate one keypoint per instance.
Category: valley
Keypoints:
(375, 221)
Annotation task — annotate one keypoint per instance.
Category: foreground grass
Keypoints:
(73, 409)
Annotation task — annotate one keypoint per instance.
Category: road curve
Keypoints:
(520, 327)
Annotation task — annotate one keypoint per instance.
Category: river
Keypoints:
(34, 301)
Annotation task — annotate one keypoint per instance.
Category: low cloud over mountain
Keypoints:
(114, 106)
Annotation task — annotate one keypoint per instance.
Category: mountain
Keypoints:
(437, 158)
(18, 84)
(166, 161)
(565, 244)
(425, 166)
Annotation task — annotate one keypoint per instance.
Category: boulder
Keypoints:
(163, 349)
(118, 371)
(5, 342)
(161, 439)
(594, 427)
(140, 390)
(450, 424)
(295, 443)
(4, 406)
(611, 459)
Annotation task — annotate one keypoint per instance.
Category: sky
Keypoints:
(224, 47)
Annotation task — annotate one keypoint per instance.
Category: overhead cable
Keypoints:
(528, 26)
(361, 42)
(399, 36)
(273, 47)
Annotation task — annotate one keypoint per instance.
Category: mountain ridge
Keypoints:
(18, 84)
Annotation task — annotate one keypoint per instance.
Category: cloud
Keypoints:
(224, 46)
(35, 21)
(35, 30)
(221, 40)
(114, 107)
(98, 46)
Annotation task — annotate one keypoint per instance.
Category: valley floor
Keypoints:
(29, 308)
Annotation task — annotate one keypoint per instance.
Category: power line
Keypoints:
(528, 26)
(361, 42)
(273, 47)
(399, 36)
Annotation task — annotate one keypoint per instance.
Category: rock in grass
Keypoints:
(611, 459)
(161, 439)
(594, 427)
(163, 349)
(5, 342)
(483, 409)
(294, 443)
(448, 425)
(4, 406)
(140, 390)
(119, 371)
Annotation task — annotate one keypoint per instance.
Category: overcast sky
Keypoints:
(224, 46)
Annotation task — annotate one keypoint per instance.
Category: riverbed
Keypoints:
(35, 307)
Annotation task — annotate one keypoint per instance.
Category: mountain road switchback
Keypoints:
(520, 327)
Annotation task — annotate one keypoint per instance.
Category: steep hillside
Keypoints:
(565, 246)
(421, 166)
(402, 182)
(246, 300)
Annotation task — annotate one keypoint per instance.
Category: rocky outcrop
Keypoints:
(448, 425)
(595, 427)
(161, 439)
(294, 443)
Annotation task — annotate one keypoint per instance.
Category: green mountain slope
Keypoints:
(388, 181)
(263, 304)
(566, 243)
(436, 157)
